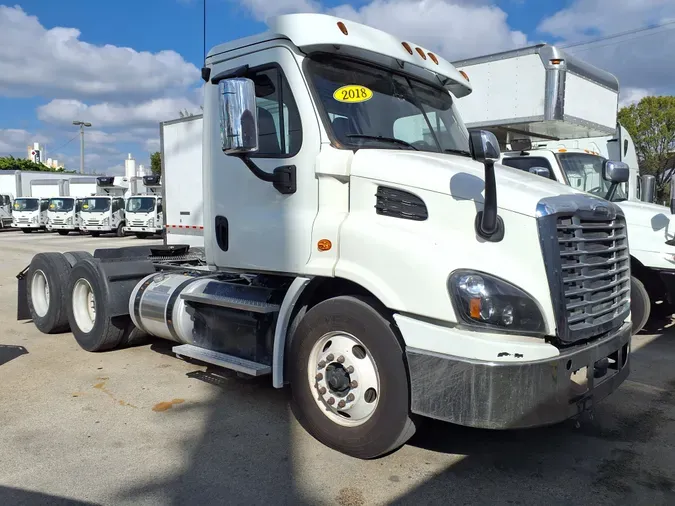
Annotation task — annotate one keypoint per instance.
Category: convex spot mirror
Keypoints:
(238, 116)
(615, 172)
(484, 145)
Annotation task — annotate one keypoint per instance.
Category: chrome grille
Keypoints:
(595, 266)
(584, 241)
(137, 223)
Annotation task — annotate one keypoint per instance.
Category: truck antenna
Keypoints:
(206, 72)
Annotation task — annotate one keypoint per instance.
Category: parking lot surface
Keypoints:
(139, 426)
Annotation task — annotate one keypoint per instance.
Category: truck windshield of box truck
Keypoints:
(141, 204)
(372, 107)
(26, 204)
(96, 205)
(61, 205)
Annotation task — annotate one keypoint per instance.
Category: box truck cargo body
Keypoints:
(556, 116)
(181, 150)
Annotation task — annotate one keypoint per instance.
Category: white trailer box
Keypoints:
(18, 183)
(181, 149)
(81, 186)
(539, 91)
(47, 188)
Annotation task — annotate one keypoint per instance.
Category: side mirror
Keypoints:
(484, 146)
(541, 171)
(238, 116)
(647, 188)
(615, 172)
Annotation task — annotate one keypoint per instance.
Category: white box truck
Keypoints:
(181, 154)
(144, 213)
(360, 247)
(103, 213)
(553, 112)
(64, 213)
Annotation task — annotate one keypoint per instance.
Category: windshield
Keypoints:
(26, 204)
(584, 172)
(370, 107)
(95, 205)
(61, 205)
(141, 204)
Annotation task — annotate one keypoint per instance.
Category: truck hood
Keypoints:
(458, 176)
(652, 216)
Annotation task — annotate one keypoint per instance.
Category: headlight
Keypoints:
(150, 223)
(69, 220)
(34, 219)
(492, 303)
(105, 221)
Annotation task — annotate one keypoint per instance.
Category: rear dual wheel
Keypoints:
(349, 379)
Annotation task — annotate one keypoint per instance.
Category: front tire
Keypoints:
(640, 304)
(120, 230)
(26, 230)
(62, 232)
(349, 378)
(95, 234)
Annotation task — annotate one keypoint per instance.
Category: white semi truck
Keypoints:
(103, 213)
(64, 213)
(144, 214)
(181, 155)
(553, 111)
(361, 247)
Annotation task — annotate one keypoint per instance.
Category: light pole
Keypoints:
(82, 124)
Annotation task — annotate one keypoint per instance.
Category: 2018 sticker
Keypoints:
(352, 93)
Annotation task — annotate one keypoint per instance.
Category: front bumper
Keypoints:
(96, 228)
(149, 230)
(60, 227)
(510, 395)
(26, 225)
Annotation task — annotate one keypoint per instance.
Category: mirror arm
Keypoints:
(489, 224)
(283, 178)
(612, 191)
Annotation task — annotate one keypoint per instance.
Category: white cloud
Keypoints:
(630, 96)
(454, 29)
(56, 62)
(265, 9)
(640, 60)
(14, 141)
(151, 112)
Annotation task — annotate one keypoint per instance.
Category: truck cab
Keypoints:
(104, 213)
(361, 248)
(5, 211)
(30, 213)
(144, 213)
(63, 214)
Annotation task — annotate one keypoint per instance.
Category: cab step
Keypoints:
(222, 360)
(231, 302)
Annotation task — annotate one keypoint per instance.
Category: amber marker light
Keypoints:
(324, 245)
(342, 27)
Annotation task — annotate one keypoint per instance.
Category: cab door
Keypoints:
(248, 223)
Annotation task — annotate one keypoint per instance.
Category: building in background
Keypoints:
(37, 153)
(133, 170)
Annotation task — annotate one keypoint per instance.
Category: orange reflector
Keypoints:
(474, 308)
(557, 61)
(324, 245)
(433, 58)
(407, 47)
(464, 75)
(342, 27)
(562, 150)
(421, 53)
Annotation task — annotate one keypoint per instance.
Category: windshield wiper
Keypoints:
(457, 152)
(385, 139)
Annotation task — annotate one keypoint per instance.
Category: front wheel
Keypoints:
(349, 379)
(26, 230)
(95, 234)
(640, 305)
(120, 230)
(62, 232)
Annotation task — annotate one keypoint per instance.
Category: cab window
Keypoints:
(525, 163)
(44, 205)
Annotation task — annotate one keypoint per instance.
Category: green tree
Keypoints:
(11, 163)
(156, 163)
(651, 124)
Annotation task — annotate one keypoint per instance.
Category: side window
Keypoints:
(279, 128)
(120, 204)
(159, 206)
(416, 129)
(44, 204)
(78, 206)
(527, 162)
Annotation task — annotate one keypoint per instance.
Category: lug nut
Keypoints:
(341, 404)
(322, 364)
(330, 357)
(350, 370)
(319, 377)
(350, 397)
(341, 359)
(331, 401)
(322, 390)
(354, 384)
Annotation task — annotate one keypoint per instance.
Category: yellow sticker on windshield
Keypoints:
(52, 206)
(17, 206)
(85, 206)
(353, 93)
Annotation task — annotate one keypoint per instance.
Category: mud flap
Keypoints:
(22, 311)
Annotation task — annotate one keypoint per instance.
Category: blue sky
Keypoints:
(126, 65)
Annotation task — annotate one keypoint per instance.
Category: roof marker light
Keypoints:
(433, 58)
(342, 27)
(407, 47)
(421, 53)
(464, 75)
(557, 61)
